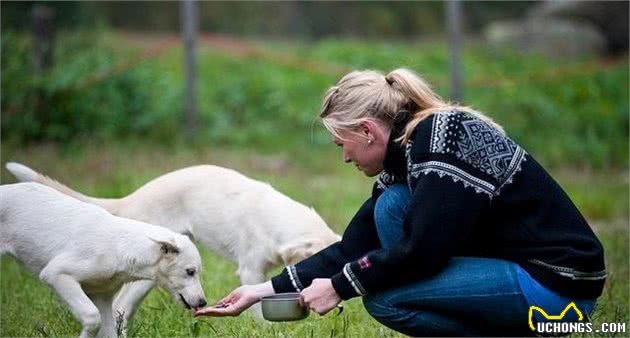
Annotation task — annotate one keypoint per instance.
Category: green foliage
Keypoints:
(81, 95)
(18, 15)
(271, 97)
(579, 118)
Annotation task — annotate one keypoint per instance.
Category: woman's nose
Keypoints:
(347, 159)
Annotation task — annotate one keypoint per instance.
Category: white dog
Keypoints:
(239, 218)
(86, 254)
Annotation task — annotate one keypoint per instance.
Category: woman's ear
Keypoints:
(371, 129)
(366, 128)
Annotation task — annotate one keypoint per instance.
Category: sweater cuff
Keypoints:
(287, 281)
(346, 284)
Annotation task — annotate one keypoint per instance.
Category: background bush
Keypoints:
(580, 117)
(65, 103)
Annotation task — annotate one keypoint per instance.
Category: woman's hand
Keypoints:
(320, 297)
(237, 301)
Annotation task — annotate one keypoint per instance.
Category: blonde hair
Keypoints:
(369, 95)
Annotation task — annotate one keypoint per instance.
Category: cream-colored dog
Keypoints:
(239, 218)
(86, 254)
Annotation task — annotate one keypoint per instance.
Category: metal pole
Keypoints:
(44, 51)
(453, 22)
(189, 19)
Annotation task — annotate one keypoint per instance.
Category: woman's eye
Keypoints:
(190, 272)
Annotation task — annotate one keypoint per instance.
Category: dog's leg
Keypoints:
(108, 322)
(80, 304)
(252, 275)
(127, 300)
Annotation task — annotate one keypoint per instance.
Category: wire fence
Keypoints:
(246, 50)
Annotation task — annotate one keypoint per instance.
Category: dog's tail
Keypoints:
(26, 174)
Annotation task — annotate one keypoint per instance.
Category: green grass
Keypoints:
(28, 308)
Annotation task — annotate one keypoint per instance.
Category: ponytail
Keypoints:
(425, 101)
(370, 95)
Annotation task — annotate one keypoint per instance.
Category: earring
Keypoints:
(370, 141)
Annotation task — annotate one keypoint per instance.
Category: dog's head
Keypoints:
(178, 267)
(300, 249)
(315, 235)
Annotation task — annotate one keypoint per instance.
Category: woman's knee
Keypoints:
(393, 201)
(375, 306)
(382, 309)
(389, 214)
(394, 317)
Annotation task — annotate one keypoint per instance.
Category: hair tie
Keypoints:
(402, 115)
(389, 81)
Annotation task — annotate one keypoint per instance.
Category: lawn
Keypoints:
(31, 309)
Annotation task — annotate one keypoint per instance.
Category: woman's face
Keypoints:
(365, 148)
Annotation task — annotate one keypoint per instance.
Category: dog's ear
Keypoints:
(167, 246)
(298, 250)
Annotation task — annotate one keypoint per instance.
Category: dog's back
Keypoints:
(226, 211)
(38, 223)
(36, 216)
(26, 174)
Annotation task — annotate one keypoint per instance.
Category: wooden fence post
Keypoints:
(453, 22)
(189, 17)
(43, 29)
(43, 38)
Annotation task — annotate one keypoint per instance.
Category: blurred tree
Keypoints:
(480, 13)
(610, 17)
(305, 19)
(16, 15)
(44, 37)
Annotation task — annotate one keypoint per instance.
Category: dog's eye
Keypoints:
(190, 272)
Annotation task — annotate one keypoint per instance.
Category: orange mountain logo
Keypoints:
(557, 317)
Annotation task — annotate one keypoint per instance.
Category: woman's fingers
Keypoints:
(225, 309)
(207, 311)
(231, 305)
(301, 301)
(229, 298)
(309, 303)
(219, 310)
(211, 312)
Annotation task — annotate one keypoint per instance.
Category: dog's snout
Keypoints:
(202, 302)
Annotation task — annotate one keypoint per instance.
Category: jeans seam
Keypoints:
(388, 305)
(478, 295)
(522, 297)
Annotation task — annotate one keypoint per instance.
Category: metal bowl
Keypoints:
(283, 307)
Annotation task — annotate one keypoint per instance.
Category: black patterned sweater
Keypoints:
(475, 193)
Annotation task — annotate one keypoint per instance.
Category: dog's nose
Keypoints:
(202, 302)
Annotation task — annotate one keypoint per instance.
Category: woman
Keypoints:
(464, 230)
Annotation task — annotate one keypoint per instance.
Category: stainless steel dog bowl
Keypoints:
(283, 307)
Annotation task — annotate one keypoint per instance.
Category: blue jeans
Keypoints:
(471, 296)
